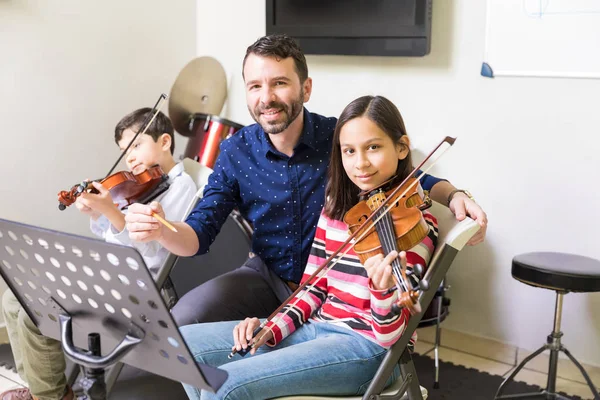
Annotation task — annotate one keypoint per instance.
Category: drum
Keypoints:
(439, 305)
(208, 131)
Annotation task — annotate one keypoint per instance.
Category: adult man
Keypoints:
(275, 173)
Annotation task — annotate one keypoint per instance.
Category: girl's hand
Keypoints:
(242, 335)
(379, 269)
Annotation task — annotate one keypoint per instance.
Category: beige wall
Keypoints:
(527, 149)
(69, 70)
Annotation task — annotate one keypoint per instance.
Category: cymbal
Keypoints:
(200, 87)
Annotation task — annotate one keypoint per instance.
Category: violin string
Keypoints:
(289, 307)
(387, 239)
(396, 262)
(402, 275)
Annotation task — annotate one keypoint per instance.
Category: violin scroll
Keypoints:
(68, 197)
(410, 298)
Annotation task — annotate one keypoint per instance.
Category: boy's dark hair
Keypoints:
(134, 120)
(341, 194)
(280, 47)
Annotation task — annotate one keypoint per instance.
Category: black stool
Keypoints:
(563, 273)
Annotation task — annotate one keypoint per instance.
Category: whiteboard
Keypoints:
(542, 38)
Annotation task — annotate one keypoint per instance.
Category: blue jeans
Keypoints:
(317, 359)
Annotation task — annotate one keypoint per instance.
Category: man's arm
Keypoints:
(461, 205)
(196, 234)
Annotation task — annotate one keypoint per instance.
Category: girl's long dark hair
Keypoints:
(341, 194)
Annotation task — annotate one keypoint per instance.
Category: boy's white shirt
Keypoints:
(174, 201)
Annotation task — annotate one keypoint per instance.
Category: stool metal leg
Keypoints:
(515, 372)
(436, 381)
(583, 372)
(554, 345)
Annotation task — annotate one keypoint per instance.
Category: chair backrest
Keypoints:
(199, 173)
(452, 232)
(452, 237)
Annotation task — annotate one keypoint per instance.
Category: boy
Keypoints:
(39, 360)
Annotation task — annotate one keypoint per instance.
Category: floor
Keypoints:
(531, 376)
(10, 380)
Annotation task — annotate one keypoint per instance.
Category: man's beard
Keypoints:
(291, 113)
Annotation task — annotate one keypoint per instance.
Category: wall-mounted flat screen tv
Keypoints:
(354, 27)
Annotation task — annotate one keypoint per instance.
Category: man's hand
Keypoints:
(379, 269)
(242, 335)
(461, 205)
(140, 223)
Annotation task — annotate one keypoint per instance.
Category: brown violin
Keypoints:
(403, 226)
(400, 229)
(125, 188)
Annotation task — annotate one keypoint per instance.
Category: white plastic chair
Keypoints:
(452, 237)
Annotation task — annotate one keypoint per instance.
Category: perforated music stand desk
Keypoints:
(64, 280)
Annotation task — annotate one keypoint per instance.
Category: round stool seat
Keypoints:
(557, 271)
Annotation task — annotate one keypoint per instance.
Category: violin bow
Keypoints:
(325, 267)
(155, 110)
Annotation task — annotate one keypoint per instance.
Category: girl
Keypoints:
(338, 334)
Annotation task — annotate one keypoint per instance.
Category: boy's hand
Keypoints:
(242, 335)
(379, 269)
(95, 204)
(86, 210)
(140, 223)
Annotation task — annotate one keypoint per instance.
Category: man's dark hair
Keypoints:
(279, 47)
(134, 120)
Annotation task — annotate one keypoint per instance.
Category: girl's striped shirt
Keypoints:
(345, 296)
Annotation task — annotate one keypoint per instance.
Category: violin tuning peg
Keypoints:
(418, 270)
(423, 285)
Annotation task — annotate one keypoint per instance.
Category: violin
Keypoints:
(400, 229)
(125, 188)
(403, 226)
(364, 219)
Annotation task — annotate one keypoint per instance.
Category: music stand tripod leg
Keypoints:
(92, 361)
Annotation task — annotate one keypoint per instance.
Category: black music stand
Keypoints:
(95, 296)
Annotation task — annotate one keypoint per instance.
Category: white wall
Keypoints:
(69, 70)
(526, 149)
